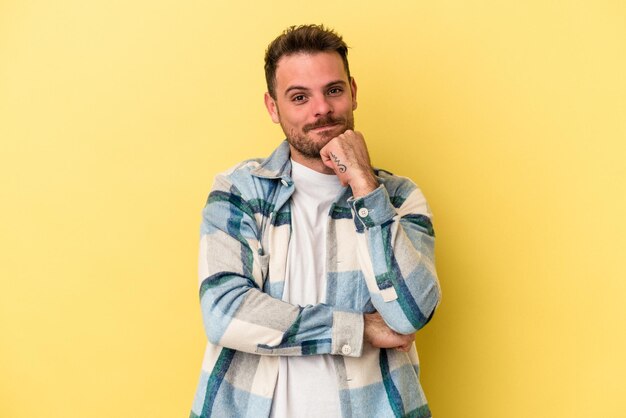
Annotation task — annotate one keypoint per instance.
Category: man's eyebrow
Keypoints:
(305, 89)
(301, 88)
(336, 82)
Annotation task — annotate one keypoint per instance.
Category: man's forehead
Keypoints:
(306, 67)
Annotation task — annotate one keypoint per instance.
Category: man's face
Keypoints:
(314, 100)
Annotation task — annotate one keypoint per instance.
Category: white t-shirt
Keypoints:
(307, 386)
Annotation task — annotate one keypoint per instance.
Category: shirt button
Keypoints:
(363, 212)
(284, 182)
(346, 349)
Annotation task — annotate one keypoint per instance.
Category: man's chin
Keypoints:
(311, 143)
(310, 150)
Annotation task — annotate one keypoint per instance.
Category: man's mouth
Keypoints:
(324, 127)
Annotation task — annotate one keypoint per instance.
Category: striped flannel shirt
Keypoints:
(380, 257)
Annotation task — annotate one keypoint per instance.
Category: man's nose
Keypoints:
(322, 106)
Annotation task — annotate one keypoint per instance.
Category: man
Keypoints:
(315, 269)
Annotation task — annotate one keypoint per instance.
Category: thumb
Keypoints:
(329, 164)
(326, 158)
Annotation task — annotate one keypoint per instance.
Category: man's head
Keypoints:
(310, 91)
(307, 39)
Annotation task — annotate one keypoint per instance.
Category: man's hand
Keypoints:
(378, 334)
(347, 156)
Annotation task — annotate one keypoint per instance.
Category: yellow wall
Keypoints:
(115, 116)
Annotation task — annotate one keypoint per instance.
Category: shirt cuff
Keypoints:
(372, 209)
(347, 338)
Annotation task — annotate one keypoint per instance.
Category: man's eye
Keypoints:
(335, 91)
(298, 98)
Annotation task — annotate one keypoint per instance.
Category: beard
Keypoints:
(309, 147)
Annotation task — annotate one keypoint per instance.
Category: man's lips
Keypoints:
(324, 127)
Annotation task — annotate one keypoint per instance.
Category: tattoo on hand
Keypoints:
(342, 168)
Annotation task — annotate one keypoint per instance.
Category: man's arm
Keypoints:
(237, 314)
(395, 240)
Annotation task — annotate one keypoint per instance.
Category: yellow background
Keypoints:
(116, 115)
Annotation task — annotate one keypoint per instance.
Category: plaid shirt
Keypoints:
(380, 257)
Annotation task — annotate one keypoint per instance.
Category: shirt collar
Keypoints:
(277, 165)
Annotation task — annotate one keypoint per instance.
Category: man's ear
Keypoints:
(353, 90)
(272, 108)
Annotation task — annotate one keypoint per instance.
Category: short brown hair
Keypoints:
(304, 38)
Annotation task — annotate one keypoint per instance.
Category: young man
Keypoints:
(315, 269)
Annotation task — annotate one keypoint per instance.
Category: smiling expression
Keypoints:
(314, 101)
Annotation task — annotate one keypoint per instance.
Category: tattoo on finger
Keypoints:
(341, 167)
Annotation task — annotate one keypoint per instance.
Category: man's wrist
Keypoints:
(364, 185)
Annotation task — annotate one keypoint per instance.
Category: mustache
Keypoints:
(327, 120)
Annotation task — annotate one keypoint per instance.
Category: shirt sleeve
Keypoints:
(395, 249)
(237, 313)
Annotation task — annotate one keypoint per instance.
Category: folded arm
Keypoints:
(237, 313)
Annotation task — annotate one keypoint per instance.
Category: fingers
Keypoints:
(347, 156)
(408, 342)
(336, 152)
(378, 333)
(348, 147)
(328, 162)
(405, 347)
